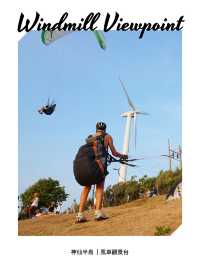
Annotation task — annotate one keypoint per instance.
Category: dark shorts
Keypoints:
(51, 209)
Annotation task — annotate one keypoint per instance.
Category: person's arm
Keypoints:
(114, 151)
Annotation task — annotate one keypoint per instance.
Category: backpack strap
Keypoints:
(93, 141)
(102, 166)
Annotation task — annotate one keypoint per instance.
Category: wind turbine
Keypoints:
(129, 116)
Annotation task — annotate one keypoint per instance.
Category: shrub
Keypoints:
(162, 230)
(131, 190)
(166, 179)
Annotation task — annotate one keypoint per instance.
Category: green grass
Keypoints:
(162, 230)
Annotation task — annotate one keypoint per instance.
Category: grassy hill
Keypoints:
(137, 218)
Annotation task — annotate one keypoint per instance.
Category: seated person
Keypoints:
(52, 207)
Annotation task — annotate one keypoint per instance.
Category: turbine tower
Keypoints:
(129, 116)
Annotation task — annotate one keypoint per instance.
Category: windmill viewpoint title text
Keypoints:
(114, 22)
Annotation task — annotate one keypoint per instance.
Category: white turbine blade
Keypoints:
(142, 113)
(129, 100)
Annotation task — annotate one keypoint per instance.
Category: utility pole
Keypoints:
(169, 155)
(180, 156)
(174, 155)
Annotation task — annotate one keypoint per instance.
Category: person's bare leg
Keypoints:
(99, 195)
(83, 198)
(99, 202)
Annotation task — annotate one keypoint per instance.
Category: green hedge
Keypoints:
(134, 189)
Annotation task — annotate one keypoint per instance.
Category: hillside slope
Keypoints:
(137, 218)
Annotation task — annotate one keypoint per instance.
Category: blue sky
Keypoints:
(83, 80)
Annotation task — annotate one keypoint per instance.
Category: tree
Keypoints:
(49, 191)
(146, 183)
(132, 190)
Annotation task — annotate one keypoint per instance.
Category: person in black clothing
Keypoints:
(52, 207)
(47, 109)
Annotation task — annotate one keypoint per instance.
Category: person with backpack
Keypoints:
(90, 168)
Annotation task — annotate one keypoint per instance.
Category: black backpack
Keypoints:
(90, 164)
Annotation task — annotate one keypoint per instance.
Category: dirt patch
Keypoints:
(137, 218)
